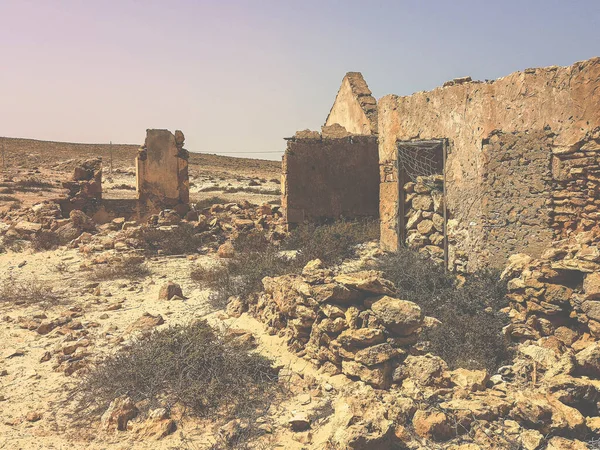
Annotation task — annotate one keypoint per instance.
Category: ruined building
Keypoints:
(85, 188)
(517, 161)
(162, 170)
(470, 172)
(333, 173)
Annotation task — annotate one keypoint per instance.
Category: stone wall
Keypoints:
(330, 176)
(354, 108)
(513, 145)
(85, 187)
(162, 169)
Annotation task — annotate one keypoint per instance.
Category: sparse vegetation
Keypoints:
(14, 291)
(127, 187)
(132, 267)
(470, 335)
(257, 257)
(179, 241)
(9, 198)
(208, 202)
(46, 240)
(331, 242)
(32, 184)
(202, 371)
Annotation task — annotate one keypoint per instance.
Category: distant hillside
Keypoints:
(31, 154)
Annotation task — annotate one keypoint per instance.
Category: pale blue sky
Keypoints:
(238, 76)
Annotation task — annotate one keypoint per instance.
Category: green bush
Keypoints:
(470, 335)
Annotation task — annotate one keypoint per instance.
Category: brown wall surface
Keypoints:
(559, 105)
(330, 178)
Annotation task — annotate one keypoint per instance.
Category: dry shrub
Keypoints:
(9, 198)
(180, 240)
(131, 267)
(32, 184)
(46, 240)
(256, 257)
(27, 292)
(203, 371)
(12, 243)
(470, 335)
(208, 202)
(331, 242)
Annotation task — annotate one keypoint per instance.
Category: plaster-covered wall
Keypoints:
(558, 106)
(354, 108)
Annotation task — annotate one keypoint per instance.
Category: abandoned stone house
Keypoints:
(470, 172)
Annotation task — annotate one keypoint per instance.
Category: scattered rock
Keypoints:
(170, 290)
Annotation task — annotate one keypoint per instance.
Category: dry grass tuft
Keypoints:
(27, 292)
(131, 267)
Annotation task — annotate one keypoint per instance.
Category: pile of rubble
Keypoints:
(424, 207)
(85, 189)
(348, 323)
(559, 293)
(209, 227)
(548, 397)
(206, 231)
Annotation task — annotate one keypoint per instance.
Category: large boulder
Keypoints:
(588, 360)
(426, 370)
(119, 413)
(591, 286)
(361, 421)
(434, 425)
(379, 376)
(370, 281)
(399, 316)
(546, 413)
(361, 337)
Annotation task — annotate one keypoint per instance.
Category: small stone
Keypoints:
(300, 422)
(170, 290)
(33, 416)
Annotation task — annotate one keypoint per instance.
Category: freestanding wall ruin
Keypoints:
(334, 173)
(521, 163)
(162, 170)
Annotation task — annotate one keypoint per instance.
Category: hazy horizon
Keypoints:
(240, 76)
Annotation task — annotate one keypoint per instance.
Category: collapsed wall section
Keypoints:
(329, 176)
(514, 145)
(162, 169)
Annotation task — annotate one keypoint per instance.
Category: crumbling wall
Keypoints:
(162, 169)
(354, 108)
(576, 196)
(326, 176)
(85, 188)
(487, 180)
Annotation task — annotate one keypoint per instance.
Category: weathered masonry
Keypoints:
(473, 172)
(162, 170)
(334, 173)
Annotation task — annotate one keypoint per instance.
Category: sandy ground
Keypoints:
(36, 395)
(29, 385)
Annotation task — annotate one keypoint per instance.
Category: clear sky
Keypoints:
(238, 76)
